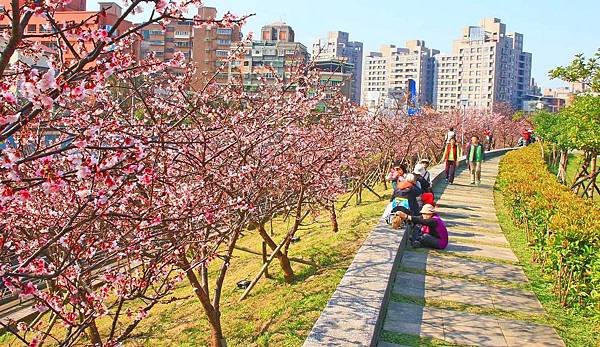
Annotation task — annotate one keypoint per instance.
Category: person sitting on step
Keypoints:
(409, 190)
(433, 233)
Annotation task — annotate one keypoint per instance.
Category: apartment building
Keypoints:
(176, 36)
(487, 65)
(207, 47)
(71, 14)
(386, 74)
(211, 48)
(337, 47)
(335, 76)
(276, 55)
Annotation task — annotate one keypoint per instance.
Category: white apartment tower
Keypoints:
(338, 47)
(386, 74)
(487, 65)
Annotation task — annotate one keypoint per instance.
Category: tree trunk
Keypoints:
(562, 166)
(333, 217)
(264, 258)
(213, 314)
(593, 178)
(359, 194)
(384, 174)
(216, 333)
(284, 261)
(93, 334)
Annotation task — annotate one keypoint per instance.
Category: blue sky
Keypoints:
(554, 30)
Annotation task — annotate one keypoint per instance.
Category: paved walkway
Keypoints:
(471, 294)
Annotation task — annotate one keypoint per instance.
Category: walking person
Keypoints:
(450, 135)
(489, 139)
(451, 158)
(433, 233)
(475, 156)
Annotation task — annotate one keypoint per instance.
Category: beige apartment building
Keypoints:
(276, 55)
(338, 47)
(386, 74)
(487, 66)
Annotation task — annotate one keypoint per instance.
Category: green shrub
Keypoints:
(562, 229)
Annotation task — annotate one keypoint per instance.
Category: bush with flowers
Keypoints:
(562, 229)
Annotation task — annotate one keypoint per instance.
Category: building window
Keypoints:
(43, 29)
(223, 42)
(224, 31)
(222, 53)
(31, 28)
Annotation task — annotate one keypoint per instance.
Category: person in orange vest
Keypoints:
(451, 158)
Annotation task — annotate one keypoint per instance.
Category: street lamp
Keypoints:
(464, 103)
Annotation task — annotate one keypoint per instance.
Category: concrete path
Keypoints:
(474, 293)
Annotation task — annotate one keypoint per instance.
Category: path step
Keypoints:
(477, 236)
(466, 328)
(463, 267)
(465, 292)
(481, 250)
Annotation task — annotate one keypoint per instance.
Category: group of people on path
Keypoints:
(413, 202)
(475, 153)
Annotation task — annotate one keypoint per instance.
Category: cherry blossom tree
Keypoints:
(90, 155)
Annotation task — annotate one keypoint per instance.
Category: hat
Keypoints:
(411, 178)
(428, 198)
(419, 169)
(424, 160)
(427, 209)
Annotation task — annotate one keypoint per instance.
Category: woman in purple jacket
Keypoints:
(433, 231)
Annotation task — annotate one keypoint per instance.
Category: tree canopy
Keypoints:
(575, 127)
(581, 70)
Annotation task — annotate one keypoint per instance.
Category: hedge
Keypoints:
(562, 229)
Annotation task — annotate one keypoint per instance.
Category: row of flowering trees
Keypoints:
(118, 180)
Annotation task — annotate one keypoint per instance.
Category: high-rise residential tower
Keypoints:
(338, 47)
(386, 74)
(487, 66)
